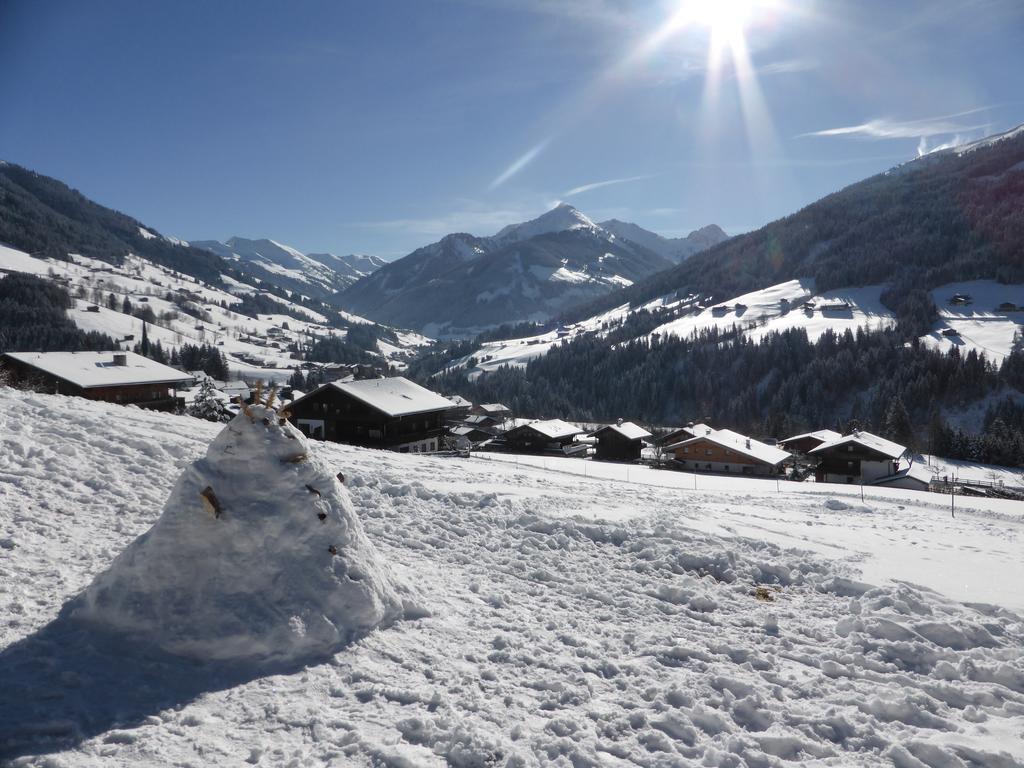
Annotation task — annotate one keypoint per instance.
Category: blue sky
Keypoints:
(378, 127)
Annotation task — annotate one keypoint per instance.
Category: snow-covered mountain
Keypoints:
(351, 265)
(675, 248)
(527, 271)
(319, 275)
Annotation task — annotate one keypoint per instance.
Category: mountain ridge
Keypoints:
(530, 270)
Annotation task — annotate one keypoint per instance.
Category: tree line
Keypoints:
(783, 385)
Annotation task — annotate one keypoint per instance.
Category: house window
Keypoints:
(686, 449)
(707, 451)
(728, 452)
(415, 449)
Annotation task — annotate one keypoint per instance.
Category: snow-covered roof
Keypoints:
(459, 401)
(742, 444)
(917, 472)
(824, 435)
(493, 408)
(865, 440)
(627, 429)
(98, 369)
(554, 428)
(396, 396)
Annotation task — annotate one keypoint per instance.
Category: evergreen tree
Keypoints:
(297, 381)
(898, 426)
(207, 405)
(126, 306)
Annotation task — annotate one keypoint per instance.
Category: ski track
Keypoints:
(573, 622)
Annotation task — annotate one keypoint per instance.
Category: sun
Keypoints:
(726, 18)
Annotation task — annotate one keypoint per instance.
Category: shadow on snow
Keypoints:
(70, 681)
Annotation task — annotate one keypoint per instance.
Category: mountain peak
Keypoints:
(561, 218)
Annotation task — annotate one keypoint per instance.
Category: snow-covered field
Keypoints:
(980, 325)
(256, 347)
(765, 311)
(574, 620)
(773, 309)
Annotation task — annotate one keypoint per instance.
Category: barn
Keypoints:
(622, 441)
(394, 414)
(115, 377)
(552, 437)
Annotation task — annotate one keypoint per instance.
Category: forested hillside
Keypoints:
(45, 217)
(955, 215)
(33, 318)
(782, 386)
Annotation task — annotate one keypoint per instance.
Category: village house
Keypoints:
(808, 441)
(466, 436)
(496, 412)
(459, 410)
(552, 437)
(394, 414)
(114, 377)
(722, 450)
(857, 458)
(915, 478)
(622, 441)
(684, 433)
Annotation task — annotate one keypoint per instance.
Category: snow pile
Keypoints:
(258, 554)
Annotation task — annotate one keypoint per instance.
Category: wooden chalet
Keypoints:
(393, 414)
(622, 441)
(114, 377)
(808, 441)
(496, 412)
(858, 458)
(553, 437)
(459, 410)
(722, 450)
(684, 433)
(466, 436)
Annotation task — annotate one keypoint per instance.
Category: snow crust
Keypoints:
(258, 554)
(620, 618)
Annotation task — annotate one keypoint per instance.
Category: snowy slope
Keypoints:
(575, 621)
(980, 325)
(763, 312)
(319, 274)
(674, 248)
(256, 347)
(773, 309)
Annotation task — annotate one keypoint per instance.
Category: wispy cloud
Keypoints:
(475, 218)
(885, 128)
(617, 13)
(607, 183)
(521, 162)
(790, 66)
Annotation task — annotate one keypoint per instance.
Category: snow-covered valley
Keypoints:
(256, 347)
(573, 620)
